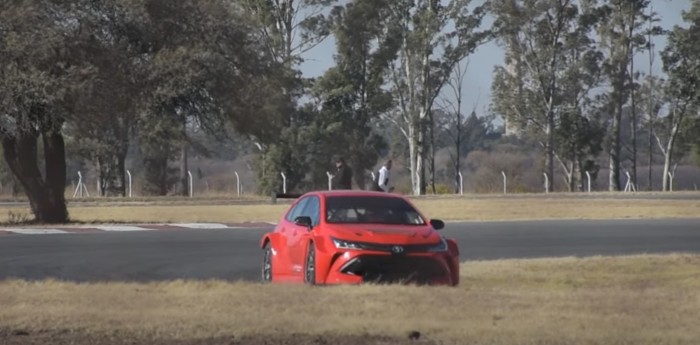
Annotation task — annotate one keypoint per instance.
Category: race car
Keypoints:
(353, 237)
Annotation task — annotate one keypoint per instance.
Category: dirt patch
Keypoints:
(23, 337)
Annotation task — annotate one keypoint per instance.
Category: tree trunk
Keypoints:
(614, 175)
(668, 155)
(184, 177)
(46, 196)
(549, 160)
(121, 168)
(413, 156)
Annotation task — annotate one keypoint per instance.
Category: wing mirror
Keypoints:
(304, 221)
(437, 224)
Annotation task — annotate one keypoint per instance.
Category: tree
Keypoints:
(551, 67)
(620, 35)
(288, 29)
(681, 61)
(40, 76)
(430, 38)
(351, 92)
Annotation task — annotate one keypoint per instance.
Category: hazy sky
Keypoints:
(481, 63)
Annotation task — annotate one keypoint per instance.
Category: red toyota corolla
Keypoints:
(358, 236)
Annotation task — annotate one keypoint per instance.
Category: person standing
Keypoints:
(343, 174)
(382, 182)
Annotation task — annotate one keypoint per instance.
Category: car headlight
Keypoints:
(342, 244)
(441, 247)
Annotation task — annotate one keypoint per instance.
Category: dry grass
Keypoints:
(621, 300)
(493, 208)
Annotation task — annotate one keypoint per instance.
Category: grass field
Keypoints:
(446, 208)
(602, 300)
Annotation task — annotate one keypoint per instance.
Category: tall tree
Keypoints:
(551, 67)
(39, 76)
(352, 89)
(288, 29)
(620, 34)
(431, 38)
(681, 59)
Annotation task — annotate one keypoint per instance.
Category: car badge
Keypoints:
(397, 249)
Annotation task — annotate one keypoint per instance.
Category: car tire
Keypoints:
(310, 265)
(266, 271)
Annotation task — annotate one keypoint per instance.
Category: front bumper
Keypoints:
(361, 266)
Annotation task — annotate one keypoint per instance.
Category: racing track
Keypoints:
(233, 254)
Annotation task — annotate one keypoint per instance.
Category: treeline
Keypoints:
(101, 78)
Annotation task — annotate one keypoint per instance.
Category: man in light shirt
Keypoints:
(382, 183)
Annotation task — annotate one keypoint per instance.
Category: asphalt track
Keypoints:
(232, 254)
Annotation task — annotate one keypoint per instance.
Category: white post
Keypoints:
(238, 183)
(330, 179)
(461, 184)
(589, 181)
(505, 182)
(546, 183)
(128, 173)
(191, 183)
(284, 183)
(670, 181)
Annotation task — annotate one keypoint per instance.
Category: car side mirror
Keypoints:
(437, 224)
(303, 221)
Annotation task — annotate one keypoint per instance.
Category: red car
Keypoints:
(358, 236)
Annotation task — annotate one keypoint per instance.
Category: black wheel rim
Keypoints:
(310, 272)
(267, 265)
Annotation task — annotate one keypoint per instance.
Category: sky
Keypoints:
(477, 84)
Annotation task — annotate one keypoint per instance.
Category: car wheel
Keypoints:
(310, 267)
(267, 264)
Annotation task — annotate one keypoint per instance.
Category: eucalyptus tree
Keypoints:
(681, 61)
(351, 92)
(621, 33)
(430, 37)
(551, 67)
(288, 29)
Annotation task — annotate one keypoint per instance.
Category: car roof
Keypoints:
(355, 193)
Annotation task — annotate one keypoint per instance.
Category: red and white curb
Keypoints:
(97, 228)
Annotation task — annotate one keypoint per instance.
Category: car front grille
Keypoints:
(394, 269)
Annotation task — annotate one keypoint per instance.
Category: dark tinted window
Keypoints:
(297, 209)
(371, 210)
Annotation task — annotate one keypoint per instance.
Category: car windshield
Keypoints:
(371, 210)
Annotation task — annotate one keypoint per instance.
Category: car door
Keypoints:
(312, 210)
(288, 230)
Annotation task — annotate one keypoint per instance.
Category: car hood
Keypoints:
(386, 234)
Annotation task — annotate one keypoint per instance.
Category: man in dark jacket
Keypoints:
(343, 174)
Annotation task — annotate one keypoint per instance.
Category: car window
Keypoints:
(313, 210)
(296, 211)
(371, 210)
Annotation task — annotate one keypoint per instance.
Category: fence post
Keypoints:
(589, 181)
(330, 180)
(238, 183)
(546, 183)
(189, 174)
(128, 173)
(505, 182)
(284, 183)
